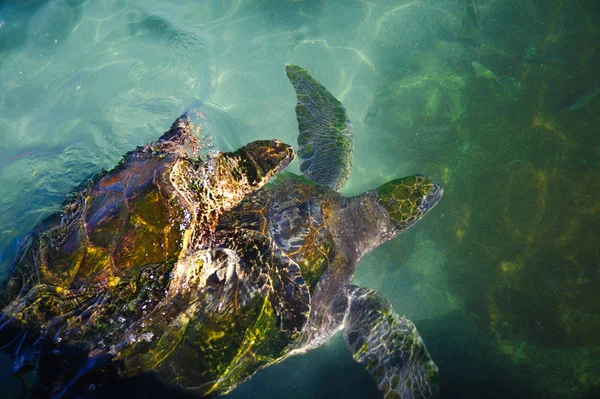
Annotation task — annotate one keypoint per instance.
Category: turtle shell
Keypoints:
(124, 220)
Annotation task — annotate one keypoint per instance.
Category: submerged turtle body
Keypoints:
(307, 240)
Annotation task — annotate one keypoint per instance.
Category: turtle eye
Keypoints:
(426, 202)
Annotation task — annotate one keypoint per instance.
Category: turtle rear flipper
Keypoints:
(326, 140)
(388, 346)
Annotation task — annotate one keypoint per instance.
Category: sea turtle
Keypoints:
(305, 239)
(263, 278)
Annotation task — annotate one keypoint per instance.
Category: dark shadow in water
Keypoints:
(38, 374)
(142, 386)
(471, 366)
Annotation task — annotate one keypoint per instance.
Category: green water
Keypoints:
(501, 278)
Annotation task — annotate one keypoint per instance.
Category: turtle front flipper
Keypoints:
(388, 346)
(326, 140)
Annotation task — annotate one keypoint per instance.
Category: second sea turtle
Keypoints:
(304, 239)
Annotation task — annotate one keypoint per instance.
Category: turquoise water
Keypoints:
(501, 278)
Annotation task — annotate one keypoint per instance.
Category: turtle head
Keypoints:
(408, 199)
(230, 176)
(260, 160)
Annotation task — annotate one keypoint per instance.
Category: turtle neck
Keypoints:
(360, 224)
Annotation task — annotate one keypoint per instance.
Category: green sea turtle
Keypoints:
(242, 285)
